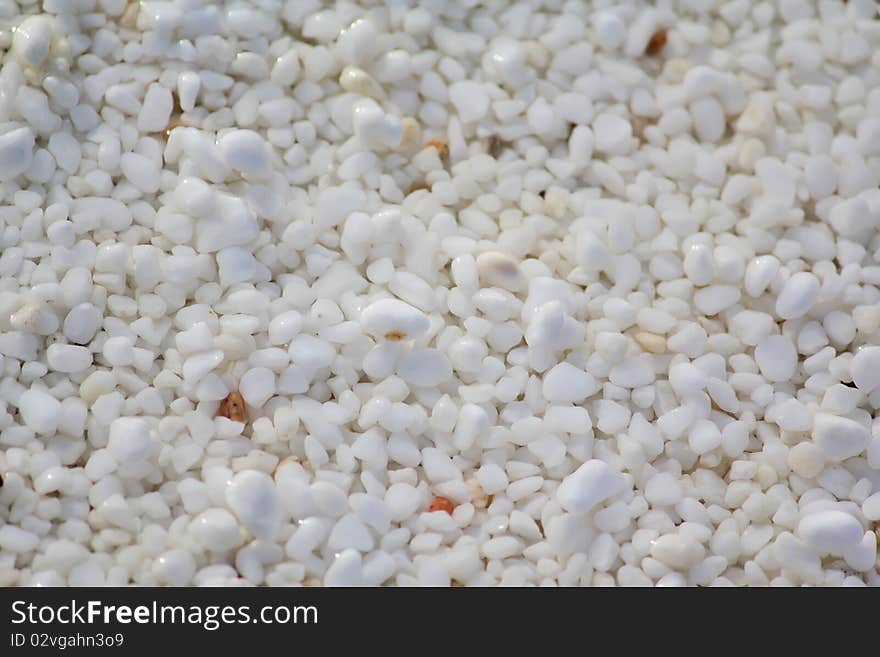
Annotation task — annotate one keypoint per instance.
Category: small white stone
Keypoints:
(32, 39)
(175, 567)
(198, 365)
(156, 109)
(862, 557)
(470, 100)
(425, 367)
(713, 299)
(438, 466)
(196, 338)
(751, 327)
(777, 358)
(632, 372)
(567, 383)
(81, 323)
(677, 551)
(853, 219)
(357, 43)
(66, 151)
(704, 436)
(246, 151)
(871, 507)
(507, 59)
(350, 532)
(793, 554)
(15, 539)
(129, 440)
(118, 351)
(188, 85)
(374, 127)
(284, 327)
(613, 133)
(830, 531)
(346, 570)
(663, 489)
(698, 264)
(820, 175)
(257, 386)
(839, 438)
(141, 171)
(216, 530)
(254, 500)
(610, 30)
(195, 197)
(68, 357)
(687, 380)
(394, 320)
(592, 483)
(403, 500)
(16, 152)
(358, 81)
(759, 273)
(708, 117)
(865, 369)
(797, 296)
(806, 459)
(40, 411)
(500, 270)
(235, 265)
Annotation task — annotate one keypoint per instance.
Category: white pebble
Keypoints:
(567, 383)
(156, 109)
(797, 296)
(254, 499)
(592, 483)
(830, 531)
(425, 367)
(129, 440)
(470, 100)
(394, 320)
(246, 151)
(68, 357)
(40, 411)
(500, 270)
(865, 368)
(839, 438)
(32, 39)
(777, 358)
(16, 152)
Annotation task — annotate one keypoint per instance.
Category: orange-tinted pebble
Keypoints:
(656, 43)
(441, 504)
(440, 145)
(233, 407)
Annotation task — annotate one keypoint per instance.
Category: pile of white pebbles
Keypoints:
(598, 282)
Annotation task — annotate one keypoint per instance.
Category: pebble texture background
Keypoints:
(446, 293)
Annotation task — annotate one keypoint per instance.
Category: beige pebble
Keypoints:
(412, 134)
(766, 476)
(651, 342)
(358, 81)
(750, 152)
(675, 69)
(806, 460)
(500, 270)
(479, 498)
(95, 385)
(556, 202)
(720, 34)
(129, 17)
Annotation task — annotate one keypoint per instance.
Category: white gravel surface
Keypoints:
(448, 293)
